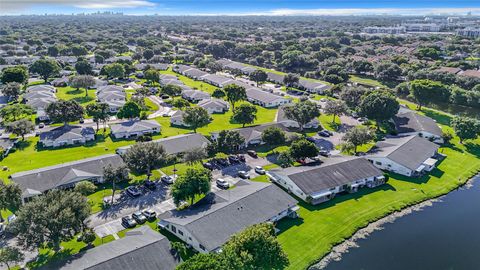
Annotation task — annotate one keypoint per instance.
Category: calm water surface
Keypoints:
(444, 236)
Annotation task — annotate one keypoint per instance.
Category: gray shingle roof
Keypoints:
(213, 103)
(180, 143)
(134, 126)
(47, 178)
(412, 122)
(335, 171)
(195, 94)
(408, 151)
(263, 96)
(214, 219)
(66, 132)
(140, 249)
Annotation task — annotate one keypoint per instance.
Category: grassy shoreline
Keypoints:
(310, 238)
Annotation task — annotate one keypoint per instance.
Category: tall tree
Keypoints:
(229, 140)
(357, 136)
(115, 175)
(17, 74)
(194, 155)
(99, 113)
(424, 91)
(50, 219)
(235, 93)
(273, 136)
(15, 112)
(195, 182)
(466, 128)
(218, 93)
(171, 90)
(258, 76)
(245, 114)
(12, 90)
(115, 70)
(196, 117)
(84, 67)
(10, 255)
(83, 81)
(45, 68)
(257, 248)
(379, 106)
(302, 149)
(148, 54)
(143, 157)
(302, 112)
(64, 111)
(152, 76)
(20, 127)
(129, 110)
(290, 80)
(10, 196)
(335, 108)
(352, 96)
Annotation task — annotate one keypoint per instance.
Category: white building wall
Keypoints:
(384, 163)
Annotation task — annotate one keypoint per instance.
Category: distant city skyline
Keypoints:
(242, 7)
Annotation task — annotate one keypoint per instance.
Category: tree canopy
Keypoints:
(196, 117)
(143, 157)
(64, 111)
(245, 114)
(235, 93)
(45, 68)
(195, 182)
(379, 106)
(302, 112)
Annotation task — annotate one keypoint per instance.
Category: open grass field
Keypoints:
(70, 93)
(309, 238)
(327, 122)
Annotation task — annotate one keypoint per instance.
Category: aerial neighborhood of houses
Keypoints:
(172, 148)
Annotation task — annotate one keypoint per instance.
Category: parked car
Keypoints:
(139, 217)
(233, 159)
(323, 152)
(252, 153)
(362, 119)
(243, 174)
(208, 165)
(310, 139)
(241, 158)
(150, 184)
(133, 191)
(259, 170)
(223, 162)
(167, 179)
(41, 125)
(128, 222)
(222, 183)
(149, 214)
(324, 133)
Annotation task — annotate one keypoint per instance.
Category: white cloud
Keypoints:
(26, 6)
(372, 11)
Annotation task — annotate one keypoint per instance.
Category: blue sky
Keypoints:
(242, 7)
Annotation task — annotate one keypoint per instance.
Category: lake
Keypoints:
(443, 236)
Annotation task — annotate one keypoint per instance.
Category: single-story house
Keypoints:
(195, 95)
(67, 135)
(66, 175)
(175, 145)
(158, 66)
(140, 249)
(132, 129)
(113, 95)
(280, 117)
(38, 95)
(177, 119)
(407, 155)
(252, 135)
(99, 83)
(41, 88)
(411, 123)
(217, 80)
(265, 99)
(275, 77)
(214, 105)
(60, 82)
(470, 73)
(194, 73)
(210, 223)
(312, 86)
(451, 70)
(317, 184)
(6, 145)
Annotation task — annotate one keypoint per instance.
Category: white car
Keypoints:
(259, 170)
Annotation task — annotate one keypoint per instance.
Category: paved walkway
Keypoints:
(162, 110)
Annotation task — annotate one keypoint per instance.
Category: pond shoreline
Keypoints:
(343, 247)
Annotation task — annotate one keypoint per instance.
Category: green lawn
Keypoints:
(310, 237)
(327, 122)
(69, 93)
(190, 82)
(366, 81)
